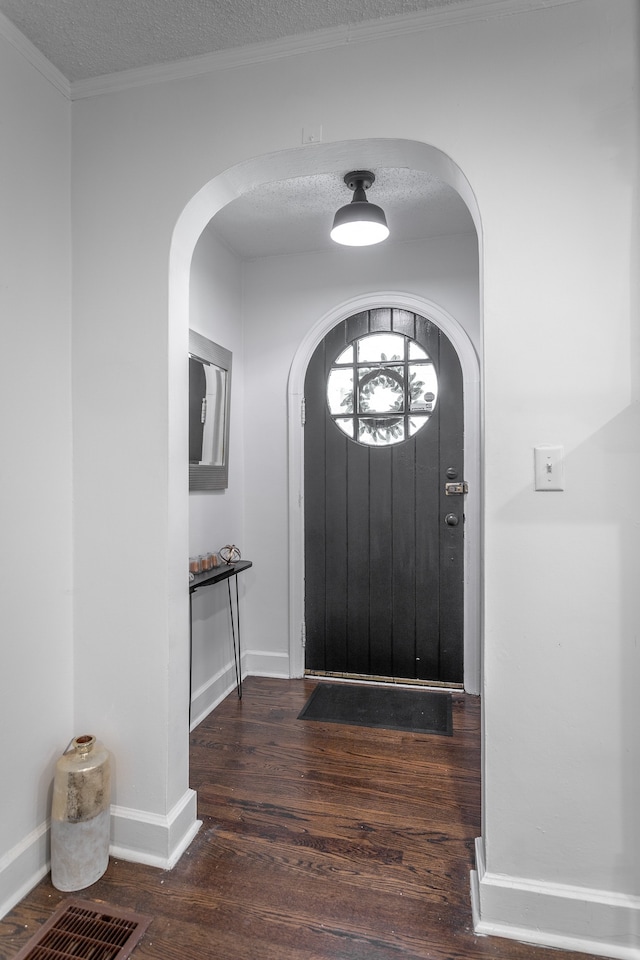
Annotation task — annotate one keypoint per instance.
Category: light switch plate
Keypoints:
(549, 468)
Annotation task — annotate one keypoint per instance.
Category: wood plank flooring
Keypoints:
(319, 842)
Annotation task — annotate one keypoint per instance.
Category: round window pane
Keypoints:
(346, 356)
(380, 346)
(380, 390)
(380, 432)
(346, 425)
(416, 352)
(423, 387)
(340, 390)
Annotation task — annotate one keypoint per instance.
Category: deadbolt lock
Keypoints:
(456, 489)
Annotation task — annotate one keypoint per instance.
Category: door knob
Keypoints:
(451, 520)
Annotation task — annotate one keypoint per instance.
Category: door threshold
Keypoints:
(365, 678)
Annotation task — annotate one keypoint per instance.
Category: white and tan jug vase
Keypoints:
(80, 815)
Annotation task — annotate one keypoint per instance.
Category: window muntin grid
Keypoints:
(395, 392)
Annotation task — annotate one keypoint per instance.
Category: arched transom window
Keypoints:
(382, 389)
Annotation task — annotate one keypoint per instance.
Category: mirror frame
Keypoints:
(212, 476)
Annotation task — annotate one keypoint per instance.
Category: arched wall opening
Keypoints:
(232, 183)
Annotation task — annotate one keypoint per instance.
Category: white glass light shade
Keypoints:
(359, 224)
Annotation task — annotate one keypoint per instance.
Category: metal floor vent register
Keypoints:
(86, 930)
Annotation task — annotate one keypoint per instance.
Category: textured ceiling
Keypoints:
(293, 216)
(90, 38)
(94, 38)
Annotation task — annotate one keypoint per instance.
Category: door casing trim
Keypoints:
(472, 454)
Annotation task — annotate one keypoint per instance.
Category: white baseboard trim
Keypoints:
(257, 663)
(153, 839)
(211, 693)
(556, 915)
(136, 835)
(23, 867)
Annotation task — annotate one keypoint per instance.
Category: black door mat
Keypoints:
(393, 708)
(86, 930)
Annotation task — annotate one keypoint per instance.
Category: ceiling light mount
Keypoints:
(359, 179)
(359, 223)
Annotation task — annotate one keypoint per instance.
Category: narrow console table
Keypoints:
(225, 572)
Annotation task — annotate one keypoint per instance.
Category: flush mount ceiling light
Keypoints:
(359, 223)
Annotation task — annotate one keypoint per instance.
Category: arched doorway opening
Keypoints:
(197, 214)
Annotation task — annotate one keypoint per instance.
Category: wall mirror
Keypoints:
(209, 406)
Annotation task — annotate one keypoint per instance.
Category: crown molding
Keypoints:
(307, 43)
(294, 46)
(34, 56)
(208, 63)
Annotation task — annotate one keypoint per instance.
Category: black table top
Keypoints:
(222, 572)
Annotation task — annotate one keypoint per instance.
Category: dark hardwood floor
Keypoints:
(319, 842)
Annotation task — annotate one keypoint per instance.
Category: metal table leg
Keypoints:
(190, 652)
(237, 653)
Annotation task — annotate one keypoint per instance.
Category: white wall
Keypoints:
(283, 297)
(216, 517)
(562, 763)
(131, 602)
(536, 109)
(36, 679)
(539, 112)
